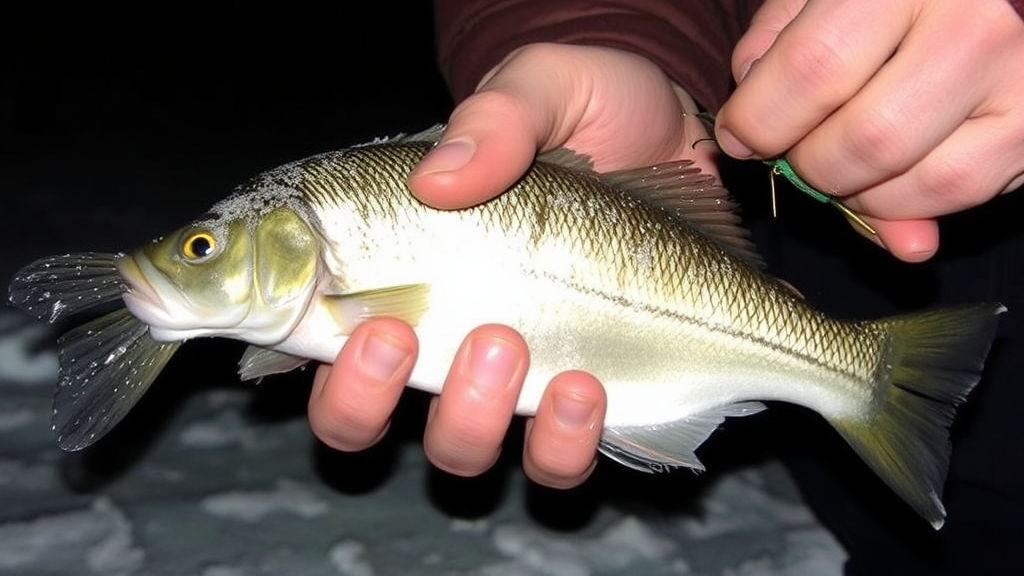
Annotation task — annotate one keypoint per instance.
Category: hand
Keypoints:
(614, 106)
(352, 401)
(906, 109)
(621, 111)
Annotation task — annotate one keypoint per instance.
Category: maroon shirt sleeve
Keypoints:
(691, 40)
(1018, 5)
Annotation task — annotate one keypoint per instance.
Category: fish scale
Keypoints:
(642, 277)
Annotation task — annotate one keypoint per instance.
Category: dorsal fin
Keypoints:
(683, 191)
(431, 135)
(568, 159)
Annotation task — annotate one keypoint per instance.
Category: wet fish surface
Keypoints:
(641, 277)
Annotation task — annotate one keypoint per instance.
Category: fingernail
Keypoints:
(732, 146)
(492, 363)
(572, 412)
(747, 68)
(447, 157)
(382, 357)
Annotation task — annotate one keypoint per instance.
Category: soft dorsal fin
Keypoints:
(683, 191)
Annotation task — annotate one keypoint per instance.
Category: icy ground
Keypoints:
(225, 480)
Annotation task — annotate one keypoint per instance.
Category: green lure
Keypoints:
(782, 167)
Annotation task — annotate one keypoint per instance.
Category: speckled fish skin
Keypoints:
(642, 278)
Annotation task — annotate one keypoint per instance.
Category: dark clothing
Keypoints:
(982, 259)
(691, 40)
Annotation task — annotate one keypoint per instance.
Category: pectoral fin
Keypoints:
(662, 447)
(258, 362)
(407, 302)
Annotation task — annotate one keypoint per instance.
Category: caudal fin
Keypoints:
(934, 362)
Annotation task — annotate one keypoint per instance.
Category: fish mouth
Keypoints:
(143, 296)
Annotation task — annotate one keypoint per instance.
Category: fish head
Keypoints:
(248, 278)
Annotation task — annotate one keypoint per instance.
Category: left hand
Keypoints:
(905, 109)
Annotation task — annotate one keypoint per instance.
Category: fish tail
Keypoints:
(935, 359)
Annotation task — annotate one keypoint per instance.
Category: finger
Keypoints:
(352, 401)
(912, 105)
(467, 423)
(487, 146)
(908, 240)
(821, 59)
(561, 441)
(770, 19)
(976, 163)
(493, 136)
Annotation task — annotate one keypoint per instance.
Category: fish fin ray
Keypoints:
(106, 365)
(407, 302)
(685, 193)
(660, 447)
(936, 359)
(432, 134)
(54, 287)
(257, 362)
(570, 159)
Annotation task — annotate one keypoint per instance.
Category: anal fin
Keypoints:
(662, 447)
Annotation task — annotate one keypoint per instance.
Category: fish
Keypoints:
(643, 277)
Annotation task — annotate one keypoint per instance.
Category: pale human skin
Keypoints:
(903, 140)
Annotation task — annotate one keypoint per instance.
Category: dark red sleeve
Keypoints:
(1018, 5)
(691, 40)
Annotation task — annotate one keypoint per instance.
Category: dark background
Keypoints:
(156, 110)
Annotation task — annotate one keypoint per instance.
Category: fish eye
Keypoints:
(198, 245)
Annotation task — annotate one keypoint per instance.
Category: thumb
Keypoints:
(908, 240)
(768, 22)
(487, 146)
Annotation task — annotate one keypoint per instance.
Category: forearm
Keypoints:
(691, 40)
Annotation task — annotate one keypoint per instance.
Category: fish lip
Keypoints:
(141, 298)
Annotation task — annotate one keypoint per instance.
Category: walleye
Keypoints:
(642, 277)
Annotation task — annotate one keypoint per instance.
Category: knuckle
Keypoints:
(951, 185)
(814, 65)
(558, 467)
(462, 459)
(879, 142)
(345, 436)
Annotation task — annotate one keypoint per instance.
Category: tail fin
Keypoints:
(935, 360)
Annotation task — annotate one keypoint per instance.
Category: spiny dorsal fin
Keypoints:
(683, 191)
(568, 159)
(432, 134)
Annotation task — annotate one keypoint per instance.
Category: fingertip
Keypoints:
(352, 400)
(562, 440)
(488, 145)
(909, 240)
(468, 422)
